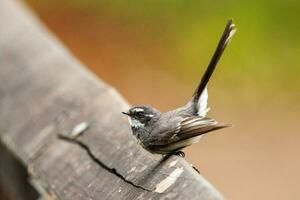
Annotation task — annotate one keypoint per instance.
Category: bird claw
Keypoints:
(179, 153)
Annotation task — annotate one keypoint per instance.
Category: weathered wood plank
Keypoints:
(46, 92)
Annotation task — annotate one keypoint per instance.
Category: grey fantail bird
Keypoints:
(169, 132)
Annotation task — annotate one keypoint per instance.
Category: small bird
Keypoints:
(169, 132)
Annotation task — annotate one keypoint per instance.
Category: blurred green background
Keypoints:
(154, 52)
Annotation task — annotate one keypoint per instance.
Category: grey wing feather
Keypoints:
(195, 126)
(184, 129)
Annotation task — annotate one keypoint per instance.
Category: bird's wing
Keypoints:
(187, 128)
(195, 126)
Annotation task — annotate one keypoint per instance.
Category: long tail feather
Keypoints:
(226, 36)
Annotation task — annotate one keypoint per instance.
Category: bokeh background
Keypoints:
(154, 52)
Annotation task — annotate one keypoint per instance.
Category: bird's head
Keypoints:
(142, 116)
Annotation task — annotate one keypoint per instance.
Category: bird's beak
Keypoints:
(126, 113)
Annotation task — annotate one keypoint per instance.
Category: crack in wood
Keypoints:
(99, 162)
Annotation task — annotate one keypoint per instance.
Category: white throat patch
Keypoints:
(135, 123)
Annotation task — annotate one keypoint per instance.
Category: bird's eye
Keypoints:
(139, 114)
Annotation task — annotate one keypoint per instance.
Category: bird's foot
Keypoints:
(179, 153)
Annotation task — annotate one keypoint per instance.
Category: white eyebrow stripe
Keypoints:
(138, 110)
(149, 115)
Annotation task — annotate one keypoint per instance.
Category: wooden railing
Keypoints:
(66, 128)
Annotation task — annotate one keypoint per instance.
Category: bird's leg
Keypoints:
(179, 153)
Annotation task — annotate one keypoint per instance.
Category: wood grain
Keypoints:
(45, 92)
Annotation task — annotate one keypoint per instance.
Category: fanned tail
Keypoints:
(225, 39)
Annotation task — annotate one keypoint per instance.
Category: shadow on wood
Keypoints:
(46, 92)
(14, 180)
